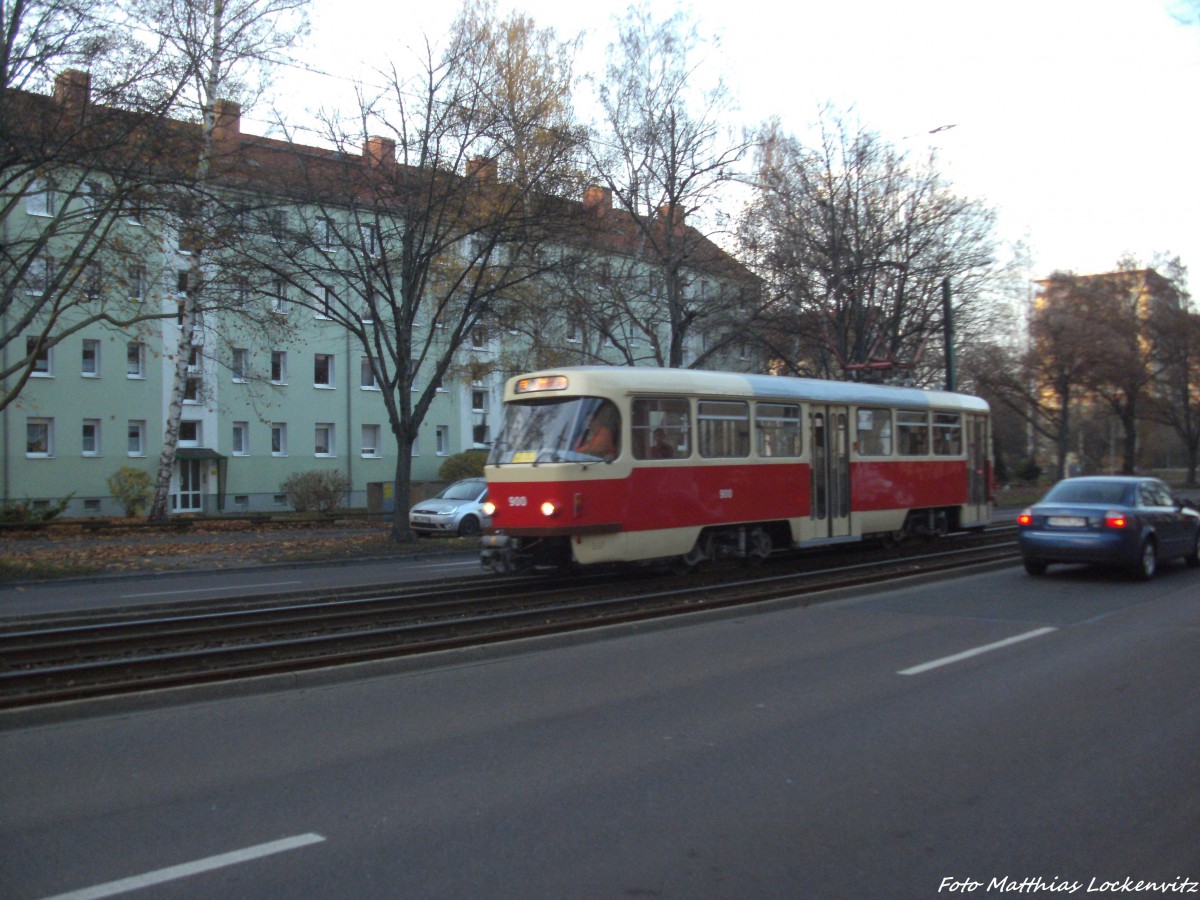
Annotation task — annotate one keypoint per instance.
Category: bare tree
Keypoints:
(1174, 332)
(66, 164)
(408, 237)
(666, 155)
(855, 242)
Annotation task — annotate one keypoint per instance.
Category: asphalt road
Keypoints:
(148, 588)
(993, 733)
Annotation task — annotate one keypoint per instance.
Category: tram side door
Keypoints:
(977, 468)
(829, 438)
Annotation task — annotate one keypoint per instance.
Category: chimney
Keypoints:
(380, 152)
(672, 218)
(227, 125)
(482, 169)
(597, 200)
(72, 89)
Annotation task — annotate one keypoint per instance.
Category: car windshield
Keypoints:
(1089, 492)
(564, 429)
(461, 490)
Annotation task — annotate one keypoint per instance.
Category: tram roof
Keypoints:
(647, 380)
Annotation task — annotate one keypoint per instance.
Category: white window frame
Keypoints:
(325, 440)
(94, 425)
(94, 345)
(239, 442)
(279, 361)
(443, 440)
(366, 375)
(371, 437)
(40, 199)
(279, 439)
(43, 363)
(239, 365)
(135, 433)
(45, 426)
(138, 348)
(197, 439)
(330, 382)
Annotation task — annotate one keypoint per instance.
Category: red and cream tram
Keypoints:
(605, 464)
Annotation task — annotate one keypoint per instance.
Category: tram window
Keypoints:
(947, 434)
(912, 433)
(724, 428)
(874, 432)
(779, 431)
(661, 428)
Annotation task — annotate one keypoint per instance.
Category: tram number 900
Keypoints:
(725, 494)
(518, 501)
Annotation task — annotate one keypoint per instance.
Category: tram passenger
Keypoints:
(599, 437)
(661, 448)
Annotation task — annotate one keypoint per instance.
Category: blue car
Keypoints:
(1129, 522)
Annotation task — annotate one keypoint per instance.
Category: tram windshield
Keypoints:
(563, 429)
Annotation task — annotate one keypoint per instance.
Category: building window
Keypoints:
(328, 303)
(279, 297)
(37, 277)
(478, 400)
(278, 367)
(90, 364)
(39, 438)
(43, 358)
(92, 278)
(325, 234)
(479, 434)
(40, 199)
(136, 445)
(369, 235)
(193, 389)
(135, 360)
(370, 441)
(240, 364)
(323, 443)
(181, 281)
(189, 433)
(323, 370)
(91, 437)
(366, 377)
(279, 439)
(240, 445)
(137, 283)
(443, 440)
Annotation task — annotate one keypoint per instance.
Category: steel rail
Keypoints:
(50, 664)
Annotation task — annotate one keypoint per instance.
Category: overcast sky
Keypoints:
(1077, 120)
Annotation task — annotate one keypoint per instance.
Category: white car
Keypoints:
(457, 510)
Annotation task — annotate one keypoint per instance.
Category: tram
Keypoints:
(611, 464)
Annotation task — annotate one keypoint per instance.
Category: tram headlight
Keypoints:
(549, 509)
(488, 508)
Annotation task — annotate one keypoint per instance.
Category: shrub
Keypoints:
(132, 488)
(316, 491)
(468, 464)
(25, 513)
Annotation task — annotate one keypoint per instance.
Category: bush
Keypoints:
(27, 514)
(132, 488)
(468, 464)
(316, 491)
(1029, 471)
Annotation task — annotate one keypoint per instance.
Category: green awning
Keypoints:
(197, 453)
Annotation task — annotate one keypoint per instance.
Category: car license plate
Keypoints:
(421, 520)
(1067, 521)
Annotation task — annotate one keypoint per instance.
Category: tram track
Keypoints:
(75, 657)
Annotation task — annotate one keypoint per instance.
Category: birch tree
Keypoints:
(221, 52)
